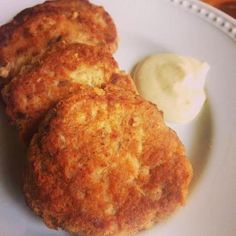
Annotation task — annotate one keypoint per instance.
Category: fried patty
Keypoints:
(122, 80)
(35, 29)
(104, 163)
(60, 72)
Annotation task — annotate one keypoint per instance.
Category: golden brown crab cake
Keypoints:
(104, 163)
(59, 72)
(34, 29)
(122, 80)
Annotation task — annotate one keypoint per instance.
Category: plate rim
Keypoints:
(212, 15)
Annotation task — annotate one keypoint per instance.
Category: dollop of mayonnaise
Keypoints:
(174, 83)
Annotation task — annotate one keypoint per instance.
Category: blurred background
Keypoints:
(228, 6)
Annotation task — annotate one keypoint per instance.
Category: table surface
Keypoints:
(228, 6)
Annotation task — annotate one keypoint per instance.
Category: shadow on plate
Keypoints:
(12, 159)
(200, 147)
(197, 137)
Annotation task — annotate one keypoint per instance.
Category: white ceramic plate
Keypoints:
(146, 27)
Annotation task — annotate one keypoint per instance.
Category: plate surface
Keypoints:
(148, 27)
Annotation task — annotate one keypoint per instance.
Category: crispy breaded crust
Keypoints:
(123, 81)
(34, 29)
(58, 73)
(104, 163)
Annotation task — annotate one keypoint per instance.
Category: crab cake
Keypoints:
(122, 80)
(104, 163)
(35, 29)
(60, 72)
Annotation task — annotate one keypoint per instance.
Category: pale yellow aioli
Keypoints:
(174, 83)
